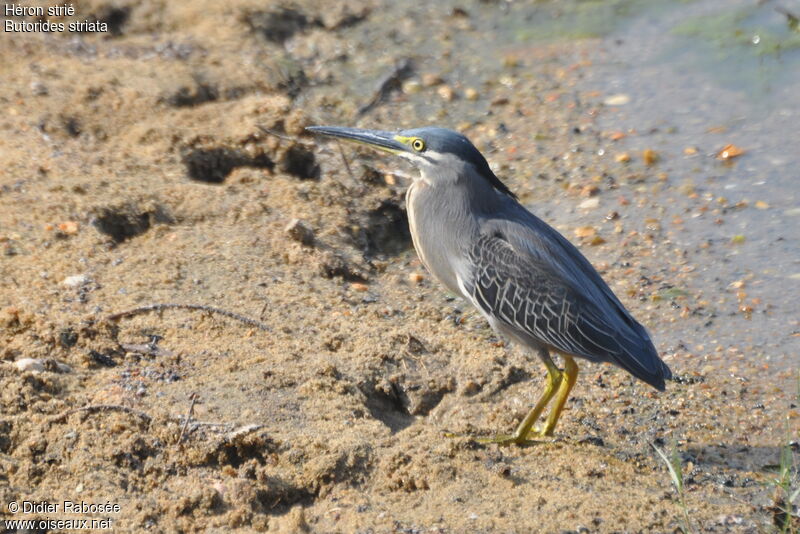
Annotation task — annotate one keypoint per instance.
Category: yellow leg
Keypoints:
(554, 384)
(570, 377)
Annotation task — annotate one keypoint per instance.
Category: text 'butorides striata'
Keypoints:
(531, 284)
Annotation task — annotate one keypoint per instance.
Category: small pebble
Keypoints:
(416, 278)
(299, 231)
(76, 280)
(470, 94)
(431, 80)
(356, 286)
(729, 152)
(446, 92)
(39, 89)
(68, 227)
(617, 100)
(470, 388)
(650, 156)
(38, 366)
(411, 87)
(29, 364)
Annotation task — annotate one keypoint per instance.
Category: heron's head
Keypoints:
(440, 154)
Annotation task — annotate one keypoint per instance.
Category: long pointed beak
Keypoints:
(386, 141)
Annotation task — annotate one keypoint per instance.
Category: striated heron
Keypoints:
(531, 284)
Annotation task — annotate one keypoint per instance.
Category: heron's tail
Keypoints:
(640, 358)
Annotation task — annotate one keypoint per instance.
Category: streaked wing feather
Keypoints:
(523, 292)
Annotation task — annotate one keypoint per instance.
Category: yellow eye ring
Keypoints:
(418, 144)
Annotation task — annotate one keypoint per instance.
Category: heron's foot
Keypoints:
(500, 439)
(507, 439)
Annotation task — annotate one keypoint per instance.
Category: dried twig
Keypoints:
(344, 159)
(92, 408)
(149, 349)
(200, 307)
(391, 82)
(282, 136)
(193, 398)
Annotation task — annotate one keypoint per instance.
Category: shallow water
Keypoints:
(705, 74)
(701, 75)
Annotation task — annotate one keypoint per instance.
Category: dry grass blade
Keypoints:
(199, 307)
(674, 465)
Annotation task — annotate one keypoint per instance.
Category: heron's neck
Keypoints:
(441, 224)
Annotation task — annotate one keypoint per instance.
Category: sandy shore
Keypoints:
(137, 171)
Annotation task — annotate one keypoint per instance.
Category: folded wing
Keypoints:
(529, 291)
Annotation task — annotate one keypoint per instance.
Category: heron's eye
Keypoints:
(418, 144)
